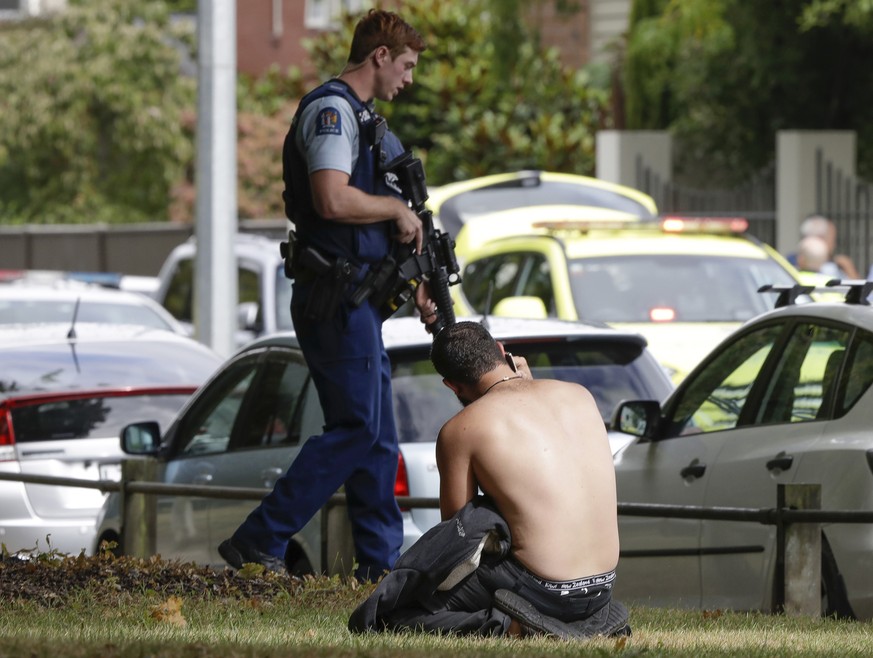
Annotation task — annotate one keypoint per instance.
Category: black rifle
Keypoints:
(393, 282)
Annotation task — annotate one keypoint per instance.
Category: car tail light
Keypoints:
(662, 314)
(401, 484)
(7, 438)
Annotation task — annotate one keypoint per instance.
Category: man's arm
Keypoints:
(457, 482)
(336, 200)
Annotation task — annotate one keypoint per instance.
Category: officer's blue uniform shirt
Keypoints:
(334, 129)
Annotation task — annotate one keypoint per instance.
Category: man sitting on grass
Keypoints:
(537, 553)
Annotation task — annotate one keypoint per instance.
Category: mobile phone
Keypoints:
(511, 361)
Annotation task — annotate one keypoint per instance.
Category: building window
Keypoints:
(324, 14)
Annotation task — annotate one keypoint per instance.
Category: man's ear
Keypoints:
(455, 388)
(502, 349)
(381, 55)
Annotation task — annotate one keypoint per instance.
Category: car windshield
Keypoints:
(91, 417)
(532, 191)
(612, 370)
(21, 311)
(651, 288)
(283, 300)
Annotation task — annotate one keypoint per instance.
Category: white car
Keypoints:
(63, 402)
(264, 293)
(245, 426)
(787, 398)
(71, 302)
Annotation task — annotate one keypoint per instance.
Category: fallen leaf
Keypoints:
(170, 611)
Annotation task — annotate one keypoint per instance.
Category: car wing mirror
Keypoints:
(247, 317)
(141, 438)
(637, 418)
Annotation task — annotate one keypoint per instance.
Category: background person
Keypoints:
(838, 266)
(538, 451)
(348, 214)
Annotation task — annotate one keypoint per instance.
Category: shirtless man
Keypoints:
(538, 451)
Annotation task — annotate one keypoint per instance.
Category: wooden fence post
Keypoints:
(798, 548)
(138, 517)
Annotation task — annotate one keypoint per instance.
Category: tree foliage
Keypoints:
(472, 109)
(725, 75)
(91, 101)
(99, 123)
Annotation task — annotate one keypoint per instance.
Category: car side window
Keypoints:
(716, 397)
(805, 379)
(857, 378)
(249, 288)
(208, 425)
(179, 300)
(538, 282)
(273, 416)
(501, 271)
(180, 291)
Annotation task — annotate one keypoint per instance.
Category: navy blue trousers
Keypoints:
(352, 374)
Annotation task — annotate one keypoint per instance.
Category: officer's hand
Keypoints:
(409, 227)
(427, 308)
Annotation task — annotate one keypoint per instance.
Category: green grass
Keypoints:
(311, 621)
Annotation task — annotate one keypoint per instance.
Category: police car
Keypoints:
(455, 204)
(684, 283)
(786, 399)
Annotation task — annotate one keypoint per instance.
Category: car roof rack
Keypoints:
(788, 294)
(857, 291)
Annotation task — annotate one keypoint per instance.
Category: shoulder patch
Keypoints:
(328, 122)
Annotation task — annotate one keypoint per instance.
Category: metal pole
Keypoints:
(215, 278)
(801, 543)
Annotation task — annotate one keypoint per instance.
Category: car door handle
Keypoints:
(271, 473)
(781, 462)
(203, 478)
(693, 471)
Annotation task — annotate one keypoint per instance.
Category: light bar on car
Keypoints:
(589, 224)
(704, 224)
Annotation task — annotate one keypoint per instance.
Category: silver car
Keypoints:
(787, 399)
(63, 402)
(246, 425)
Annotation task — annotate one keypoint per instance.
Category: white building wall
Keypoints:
(609, 20)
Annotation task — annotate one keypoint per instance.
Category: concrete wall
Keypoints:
(796, 175)
(138, 249)
(618, 151)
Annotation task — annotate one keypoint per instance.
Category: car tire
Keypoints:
(834, 598)
(296, 561)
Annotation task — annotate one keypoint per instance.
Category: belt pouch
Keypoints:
(327, 292)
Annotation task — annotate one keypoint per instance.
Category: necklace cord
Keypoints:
(500, 381)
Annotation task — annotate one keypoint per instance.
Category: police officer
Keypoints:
(347, 216)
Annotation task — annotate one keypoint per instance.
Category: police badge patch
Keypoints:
(328, 122)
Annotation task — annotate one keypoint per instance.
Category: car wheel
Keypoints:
(834, 599)
(296, 561)
(112, 544)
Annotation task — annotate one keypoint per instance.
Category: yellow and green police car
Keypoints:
(453, 205)
(685, 284)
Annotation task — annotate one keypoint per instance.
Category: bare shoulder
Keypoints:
(558, 387)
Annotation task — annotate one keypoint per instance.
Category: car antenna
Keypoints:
(484, 321)
(71, 334)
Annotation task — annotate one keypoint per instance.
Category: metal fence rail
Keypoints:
(796, 517)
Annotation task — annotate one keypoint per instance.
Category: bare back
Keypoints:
(539, 449)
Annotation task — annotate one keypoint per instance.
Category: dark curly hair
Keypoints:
(464, 351)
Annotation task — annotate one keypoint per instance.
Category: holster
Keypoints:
(330, 277)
